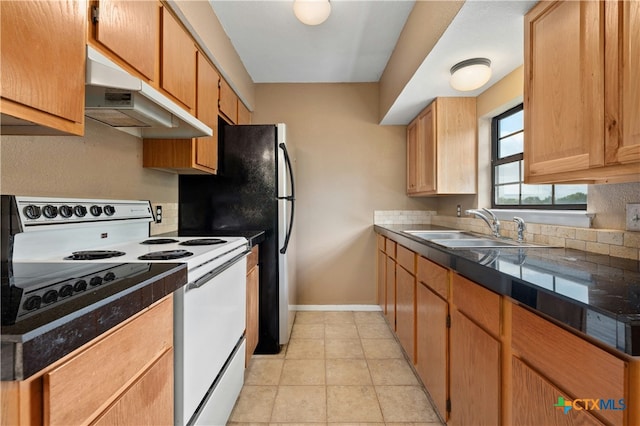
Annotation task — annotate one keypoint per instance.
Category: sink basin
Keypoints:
(482, 243)
(441, 235)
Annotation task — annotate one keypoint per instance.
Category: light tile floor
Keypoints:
(338, 368)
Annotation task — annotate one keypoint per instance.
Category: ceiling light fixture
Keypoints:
(312, 12)
(470, 74)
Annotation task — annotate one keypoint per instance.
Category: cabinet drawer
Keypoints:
(381, 241)
(434, 276)
(390, 248)
(573, 364)
(99, 373)
(252, 259)
(406, 259)
(478, 303)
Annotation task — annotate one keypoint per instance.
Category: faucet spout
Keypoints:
(521, 227)
(493, 223)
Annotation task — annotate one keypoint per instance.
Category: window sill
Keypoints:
(574, 218)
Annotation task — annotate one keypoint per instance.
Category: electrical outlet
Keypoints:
(158, 214)
(633, 217)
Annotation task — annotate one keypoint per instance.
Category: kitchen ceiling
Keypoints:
(356, 41)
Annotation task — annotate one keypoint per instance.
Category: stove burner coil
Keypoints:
(159, 241)
(203, 242)
(166, 255)
(94, 254)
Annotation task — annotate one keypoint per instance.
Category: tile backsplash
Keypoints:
(169, 218)
(624, 244)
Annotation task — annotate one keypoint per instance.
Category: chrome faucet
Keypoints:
(521, 227)
(493, 223)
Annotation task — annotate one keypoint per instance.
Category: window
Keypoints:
(509, 189)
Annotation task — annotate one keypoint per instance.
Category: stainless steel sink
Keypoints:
(483, 243)
(455, 239)
(441, 235)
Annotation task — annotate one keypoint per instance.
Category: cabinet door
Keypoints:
(244, 115)
(475, 374)
(431, 345)
(42, 64)
(252, 332)
(382, 280)
(534, 398)
(426, 151)
(148, 401)
(564, 88)
(412, 160)
(207, 112)
(623, 86)
(228, 102)
(405, 310)
(130, 30)
(391, 292)
(178, 61)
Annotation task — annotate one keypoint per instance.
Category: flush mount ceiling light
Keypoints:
(470, 74)
(312, 12)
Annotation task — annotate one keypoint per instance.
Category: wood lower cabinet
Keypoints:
(581, 93)
(390, 284)
(122, 377)
(576, 367)
(153, 389)
(474, 373)
(432, 341)
(381, 276)
(253, 308)
(441, 148)
(42, 67)
(534, 398)
(405, 310)
(178, 61)
(128, 30)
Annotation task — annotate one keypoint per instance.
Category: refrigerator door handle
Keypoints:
(291, 198)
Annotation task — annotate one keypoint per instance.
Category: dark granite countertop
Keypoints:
(32, 339)
(595, 295)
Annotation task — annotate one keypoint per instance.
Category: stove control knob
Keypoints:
(80, 285)
(95, 210)
(66, 290)
(95, 281)
(32, 212)
(109, 210)
(32, 303)
(109, 276)
(80, 211)
(50, 211)
(50, 296)
(66, 211)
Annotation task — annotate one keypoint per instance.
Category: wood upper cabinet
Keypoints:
(128, 30)
(178, 61)
(228, 102)
(441, 148)
(244, 115)
(581, 94)
(197, 155)
(42, 66)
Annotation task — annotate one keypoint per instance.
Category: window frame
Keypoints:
(496, 161)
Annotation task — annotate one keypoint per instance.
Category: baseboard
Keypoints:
(336, 308)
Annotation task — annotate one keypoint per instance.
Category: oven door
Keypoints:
(209, 321)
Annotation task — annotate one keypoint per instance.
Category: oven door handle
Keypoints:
(220, 269)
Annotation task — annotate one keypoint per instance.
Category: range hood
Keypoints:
(118, 99)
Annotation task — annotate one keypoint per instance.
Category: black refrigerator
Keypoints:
(253, 191)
